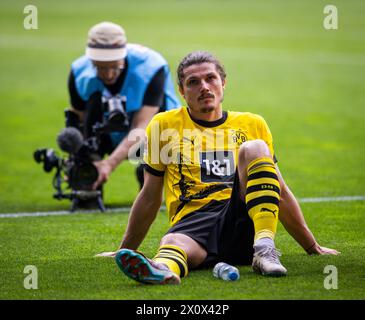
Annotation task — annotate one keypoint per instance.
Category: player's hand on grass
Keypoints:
(104, 170)
(110, 254)
(317, 249)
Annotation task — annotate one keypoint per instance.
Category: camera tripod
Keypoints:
(79, 197)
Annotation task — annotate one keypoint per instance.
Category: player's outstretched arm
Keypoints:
(292, 218)
(143, 213)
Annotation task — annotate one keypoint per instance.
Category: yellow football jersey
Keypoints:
(198, 159)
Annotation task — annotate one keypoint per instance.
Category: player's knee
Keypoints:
(253, 149)
(174, 240)
(195, 252)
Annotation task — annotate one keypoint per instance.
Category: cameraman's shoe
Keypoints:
(137, 267)
(266, 261)
(88, 200)
(89, 204)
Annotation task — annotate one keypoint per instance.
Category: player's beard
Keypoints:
(208, 109)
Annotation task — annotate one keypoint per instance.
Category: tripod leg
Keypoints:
(100, 203)
(75, 202)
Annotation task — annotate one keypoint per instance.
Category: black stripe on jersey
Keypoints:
(201, 195)
(262, 174)
(261, 200)
(152, 171)
(263, 187)
(210, 124)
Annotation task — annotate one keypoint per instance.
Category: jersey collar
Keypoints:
(210, 124)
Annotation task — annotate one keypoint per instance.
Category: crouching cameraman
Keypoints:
(114, 88)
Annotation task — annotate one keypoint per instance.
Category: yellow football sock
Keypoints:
(262, 196)
(174, 257)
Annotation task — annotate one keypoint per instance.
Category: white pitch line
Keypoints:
(58, 213)
(127, 209)
(332, 199)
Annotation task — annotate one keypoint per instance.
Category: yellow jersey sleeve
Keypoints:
(152, 147)
(265, 133)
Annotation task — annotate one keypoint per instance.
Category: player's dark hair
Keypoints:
(198, 57)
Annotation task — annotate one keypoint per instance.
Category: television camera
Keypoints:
(78, 170)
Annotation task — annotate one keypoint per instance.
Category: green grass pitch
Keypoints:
(306, 81)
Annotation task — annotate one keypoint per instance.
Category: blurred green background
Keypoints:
(306, 81)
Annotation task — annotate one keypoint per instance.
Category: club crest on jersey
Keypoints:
(238, 136)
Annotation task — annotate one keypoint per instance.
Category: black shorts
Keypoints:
(223, 228)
